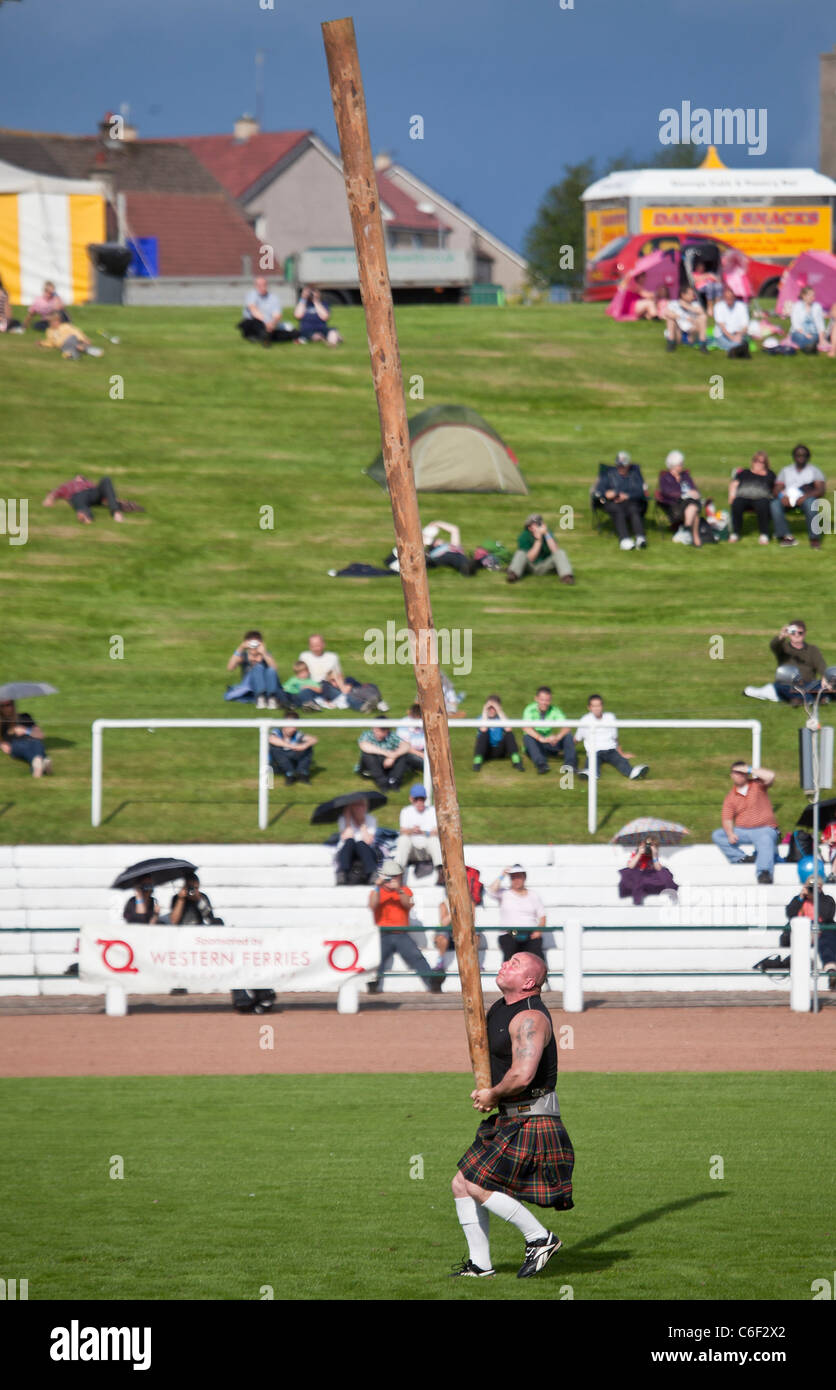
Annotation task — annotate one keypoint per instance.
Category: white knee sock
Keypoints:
(517, 1214)
(474, 1221)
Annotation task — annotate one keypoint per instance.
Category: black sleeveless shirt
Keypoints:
(499, 1019)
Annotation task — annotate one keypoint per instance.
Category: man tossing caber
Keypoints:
(524, 1150)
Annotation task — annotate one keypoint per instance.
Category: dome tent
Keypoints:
(454, 450)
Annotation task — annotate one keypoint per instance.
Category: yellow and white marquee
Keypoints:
(46, 225)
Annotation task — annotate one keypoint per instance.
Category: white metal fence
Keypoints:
(263, 726)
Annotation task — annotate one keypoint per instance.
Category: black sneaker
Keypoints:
(372, 986)
(537, 1255)
(764, 876)
(468, 1270)
(543, 770)
(747, 859)
(517, 764)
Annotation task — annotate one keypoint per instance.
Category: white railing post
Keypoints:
(96, 776)
(756, 743)
(592, 790)
(573, 967)
(800, 990)
(263, 771)
(428, 777)
(116, 1001)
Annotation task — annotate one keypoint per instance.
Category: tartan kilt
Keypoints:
(530, 1158)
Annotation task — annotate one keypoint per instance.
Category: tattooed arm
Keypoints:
(530, 1033)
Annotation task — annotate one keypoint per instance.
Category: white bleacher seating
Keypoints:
(46, 887)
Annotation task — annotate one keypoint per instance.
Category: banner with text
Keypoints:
(153, 960)
(771, 231)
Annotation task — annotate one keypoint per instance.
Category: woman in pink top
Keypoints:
(48, 302)
(520, 909)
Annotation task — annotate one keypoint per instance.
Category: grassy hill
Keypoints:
(210, 430)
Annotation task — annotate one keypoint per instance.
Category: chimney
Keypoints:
(382, 161)
(245, 127)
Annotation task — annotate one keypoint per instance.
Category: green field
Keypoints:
(302, 1184)
(211, 430)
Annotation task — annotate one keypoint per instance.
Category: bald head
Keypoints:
(534, 967)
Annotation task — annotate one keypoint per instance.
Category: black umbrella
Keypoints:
(827, 814)
(157, 870)
(25, 690)
(330, 810)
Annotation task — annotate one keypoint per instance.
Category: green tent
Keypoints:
(454, 450)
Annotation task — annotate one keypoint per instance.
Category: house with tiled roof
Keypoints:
(290, 186)
(155, 188)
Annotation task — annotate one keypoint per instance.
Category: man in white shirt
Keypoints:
(798, 488)
(807, 323)
(419, 831)
(598, 732)
(686, 321)
(731, 323)
(262, 321)
(337, 689)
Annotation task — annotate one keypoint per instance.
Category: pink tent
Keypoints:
(657, 269)
(816, 268)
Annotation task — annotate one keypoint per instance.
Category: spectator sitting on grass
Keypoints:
(547, 739)
(807, 332)
(21, 738)
(305, 688)
(259, 675)
(751, 490)
(598, 732)
(651, 304)
(313, 315)
(262, 321)
(47, 303)
(622, 492)
(415, 738)
(338, 691)
(687, 322)
(678, 495)
(291, 753)
(493, 740)
(731, 324)
(791, 648)
(538, 551)
(69, 338)
(383, 757)
(798, 488)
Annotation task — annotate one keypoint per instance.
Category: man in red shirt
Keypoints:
(391, 905)
(748, 818)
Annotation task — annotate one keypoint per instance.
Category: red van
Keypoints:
(615, 259)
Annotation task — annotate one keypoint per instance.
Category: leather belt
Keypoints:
(546, 1103)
